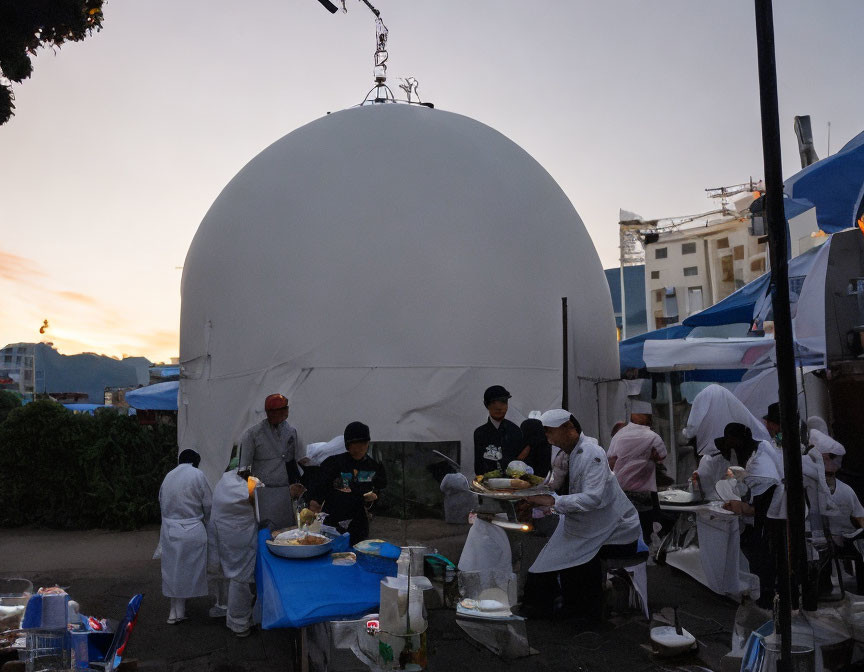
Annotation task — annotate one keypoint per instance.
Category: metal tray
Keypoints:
(668, 500)
(509, 495)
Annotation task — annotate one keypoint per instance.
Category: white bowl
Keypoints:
(297, 552)
(667, 642)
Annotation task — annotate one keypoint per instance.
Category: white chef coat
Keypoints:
(847, 504)
(764, 470)
(596, 512)
(267, 450)
(184, 500)
(712, 468)
(633, 446)
(235, 528)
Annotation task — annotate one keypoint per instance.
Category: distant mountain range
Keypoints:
(88, 372)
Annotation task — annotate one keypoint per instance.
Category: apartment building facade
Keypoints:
(689, 269)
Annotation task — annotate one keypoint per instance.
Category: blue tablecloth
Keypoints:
(295, 593)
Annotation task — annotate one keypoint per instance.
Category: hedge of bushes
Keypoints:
(62, 470)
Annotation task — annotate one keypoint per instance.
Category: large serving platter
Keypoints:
(508, 494)
(299, 552)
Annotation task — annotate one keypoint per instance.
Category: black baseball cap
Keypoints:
(356, 432)
(493, 393)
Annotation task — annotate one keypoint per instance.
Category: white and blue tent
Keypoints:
(693, 348)
(158, 397)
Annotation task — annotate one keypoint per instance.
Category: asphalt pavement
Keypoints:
(102, 570)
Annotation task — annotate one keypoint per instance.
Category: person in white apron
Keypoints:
(270, 447)
(596, 521)
(761, 506)
(233, 547)
(714, 408)
(184, 500)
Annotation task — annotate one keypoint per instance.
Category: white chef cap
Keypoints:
(555, 417)
(825, 444)
(639, 406)
(815, 422)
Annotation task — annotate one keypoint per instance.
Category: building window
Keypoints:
(658, 296)
(722, 243)
(688, 248)
(659, 252)
(655, 275)
(7, 359)
(738, 252)
(694, 299)
(691, 270)
(727, 272)
(758, 265)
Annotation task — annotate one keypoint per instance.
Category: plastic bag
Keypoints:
(458, 498)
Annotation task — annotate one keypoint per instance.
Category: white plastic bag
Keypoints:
(458, 498)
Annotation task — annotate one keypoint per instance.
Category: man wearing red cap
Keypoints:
(270, 446)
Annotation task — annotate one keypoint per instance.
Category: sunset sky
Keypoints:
(121, 143)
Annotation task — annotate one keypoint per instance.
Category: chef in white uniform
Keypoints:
(596, 520)
(846, 516)
(184, 500)
(270, 447)
(233, 546)
(714, 408)
(762, 506)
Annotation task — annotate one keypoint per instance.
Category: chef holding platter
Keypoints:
(596, 521)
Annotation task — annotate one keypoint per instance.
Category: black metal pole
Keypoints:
(565, 368)
(785, 346)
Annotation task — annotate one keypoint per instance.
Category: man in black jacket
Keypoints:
(499, 441)
(348, 482)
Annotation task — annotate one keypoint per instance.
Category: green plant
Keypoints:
(81, 471)
(9, 401)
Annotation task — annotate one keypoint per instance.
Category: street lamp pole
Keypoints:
(791, 560)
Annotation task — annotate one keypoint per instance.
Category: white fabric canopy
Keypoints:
(704, 353)
(387, 263)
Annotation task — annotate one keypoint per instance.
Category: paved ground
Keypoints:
(104, 569)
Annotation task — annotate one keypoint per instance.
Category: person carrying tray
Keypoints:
(596, 520)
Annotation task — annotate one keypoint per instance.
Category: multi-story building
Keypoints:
(18, 366)
(689, 269)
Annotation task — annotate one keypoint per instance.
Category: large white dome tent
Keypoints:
(387, 263)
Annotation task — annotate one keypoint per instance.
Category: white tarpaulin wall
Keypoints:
(387, 263)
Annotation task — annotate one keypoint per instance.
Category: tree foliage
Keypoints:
(70, 471)
(8, 402)
(26, 25)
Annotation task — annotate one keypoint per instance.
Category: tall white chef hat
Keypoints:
(825, 444)
(815, 422)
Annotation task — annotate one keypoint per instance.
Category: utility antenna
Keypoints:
(380, 92)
